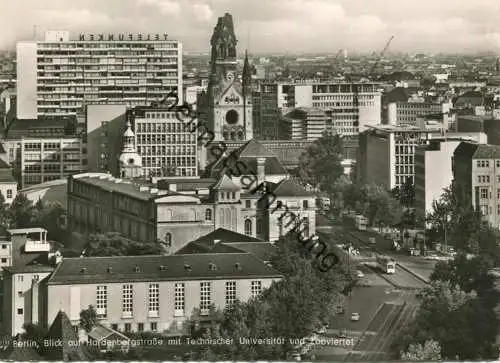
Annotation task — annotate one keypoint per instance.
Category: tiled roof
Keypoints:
(272, 165)
(487, 152)
(126, 187)
(159, 268)
(62, 330)
(225, 235)
(225, 183)
(289, 188)
(264, 251)
(254, 149)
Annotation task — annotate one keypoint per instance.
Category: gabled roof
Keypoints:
(289, 188)
(225, 235)
(264, 251)
(225, 183)
(254, 149)
(62, 330)
(187, 267)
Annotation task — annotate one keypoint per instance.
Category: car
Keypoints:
(321, 330)
(295, 356)
(360, 274)
(354, 316)
(372, 241)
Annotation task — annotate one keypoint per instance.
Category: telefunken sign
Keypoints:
(124, 37)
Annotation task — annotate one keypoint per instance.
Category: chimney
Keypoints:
(261, 162)
(34, 301)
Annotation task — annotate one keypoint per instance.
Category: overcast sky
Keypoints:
(272, 25)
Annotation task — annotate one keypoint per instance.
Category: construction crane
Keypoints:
(381, 54)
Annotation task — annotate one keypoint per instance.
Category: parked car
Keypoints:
(321, 330)
(355, 317)
(360, 274)
(372, 241)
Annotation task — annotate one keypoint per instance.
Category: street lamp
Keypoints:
(446, 220)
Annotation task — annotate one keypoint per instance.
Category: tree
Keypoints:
(88, 318)
(405, 194)
(4, 213)
(35, 333)
(114, 244)
(379, 207)
(430, 350)
(320, 165)
(22, 212)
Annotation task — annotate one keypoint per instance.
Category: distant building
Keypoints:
(476, 173)
(486, 124)
(38, 160)
(304, 124)
(349, 107)
(54, 76)
(154, 293)
(386, 154)
(407, 113)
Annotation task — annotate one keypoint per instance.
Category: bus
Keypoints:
(361, 222)
(386, 264)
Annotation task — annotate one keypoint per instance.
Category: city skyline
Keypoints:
(298, 26)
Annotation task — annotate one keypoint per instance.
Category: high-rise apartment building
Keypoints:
(58, 76)
(386, 154)
(350, 107)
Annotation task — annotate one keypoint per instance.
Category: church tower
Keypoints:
(229, 99)
(130, 162)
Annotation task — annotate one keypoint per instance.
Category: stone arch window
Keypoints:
(208, 215)
(168, 239)
(248, 227)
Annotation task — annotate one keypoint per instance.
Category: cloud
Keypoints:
(169, 7)
(272, 25)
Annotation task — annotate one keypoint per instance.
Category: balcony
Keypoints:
(127, 315)
(153, 314)
(36, 239)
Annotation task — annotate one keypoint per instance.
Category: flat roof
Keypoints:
(26, 230)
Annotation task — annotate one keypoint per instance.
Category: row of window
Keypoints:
(486, 163)
(153, 299)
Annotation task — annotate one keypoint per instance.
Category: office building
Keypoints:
(38, 160)
(476, 173)
(58, 76)
(166, 146)
(408, 113)
(304, 124)
(154, 293)
(433, 172)
(386, 154)
(350, 107)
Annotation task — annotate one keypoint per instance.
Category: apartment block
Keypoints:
(349, 107)
(154, 293)
(38, 160)
(58, 76)
(386, 154)
(476, 172)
